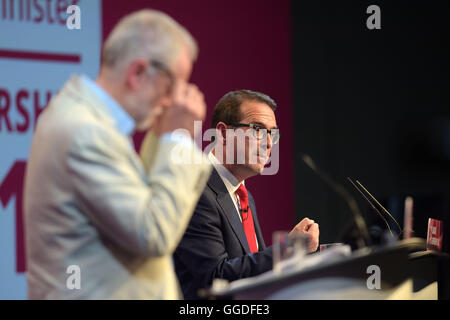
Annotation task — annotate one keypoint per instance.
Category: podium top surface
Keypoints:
(392, 258)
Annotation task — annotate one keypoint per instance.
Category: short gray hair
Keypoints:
(147, 34)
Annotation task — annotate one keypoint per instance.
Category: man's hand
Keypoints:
(310, 229)
(187, 106)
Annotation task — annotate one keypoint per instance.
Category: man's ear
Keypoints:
(135, 72)
(221, 129)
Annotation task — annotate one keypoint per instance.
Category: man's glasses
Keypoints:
(162, 68)
(259, 132)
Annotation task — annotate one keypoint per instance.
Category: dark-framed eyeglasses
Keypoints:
(259, 131)
(166, 71)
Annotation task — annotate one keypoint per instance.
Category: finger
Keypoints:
(196, 101)
(306, 223)
(303, 221)
(192, 100)
(179, 91)
(314, 228)
(308, 226)
(192, 88)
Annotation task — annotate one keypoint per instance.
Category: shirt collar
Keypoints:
(123, 121)
(230, 181)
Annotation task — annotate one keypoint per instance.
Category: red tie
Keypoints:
(247, 218)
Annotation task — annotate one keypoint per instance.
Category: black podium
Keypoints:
(399, 263)
(428, 267)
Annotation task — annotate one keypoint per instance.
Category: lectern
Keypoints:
(345, 278)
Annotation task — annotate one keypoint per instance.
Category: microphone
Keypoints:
(363, 235)
(371, 205)
(378, 204)
(244, 210)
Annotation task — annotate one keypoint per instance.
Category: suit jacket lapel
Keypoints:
(226, 203)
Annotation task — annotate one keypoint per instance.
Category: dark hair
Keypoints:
(228, 109)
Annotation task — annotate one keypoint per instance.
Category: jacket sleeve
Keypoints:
(145, 215)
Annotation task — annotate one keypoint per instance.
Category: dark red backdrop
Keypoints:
(243, 45)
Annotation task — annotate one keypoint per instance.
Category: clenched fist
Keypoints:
(310, 229)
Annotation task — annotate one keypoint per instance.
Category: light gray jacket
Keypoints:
(90, 203)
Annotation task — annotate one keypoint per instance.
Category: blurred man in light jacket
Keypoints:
(100, 223)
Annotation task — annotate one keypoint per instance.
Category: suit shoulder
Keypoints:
(207, 198)
(250, 196)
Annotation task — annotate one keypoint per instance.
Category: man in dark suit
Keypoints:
(223, 239)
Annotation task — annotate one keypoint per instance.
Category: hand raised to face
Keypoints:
(187, 105)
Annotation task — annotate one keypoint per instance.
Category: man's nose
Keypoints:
(269, 140)
(265, 144)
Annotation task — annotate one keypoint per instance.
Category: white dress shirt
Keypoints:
(231, 183)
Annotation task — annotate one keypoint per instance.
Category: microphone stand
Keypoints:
(362, 235)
